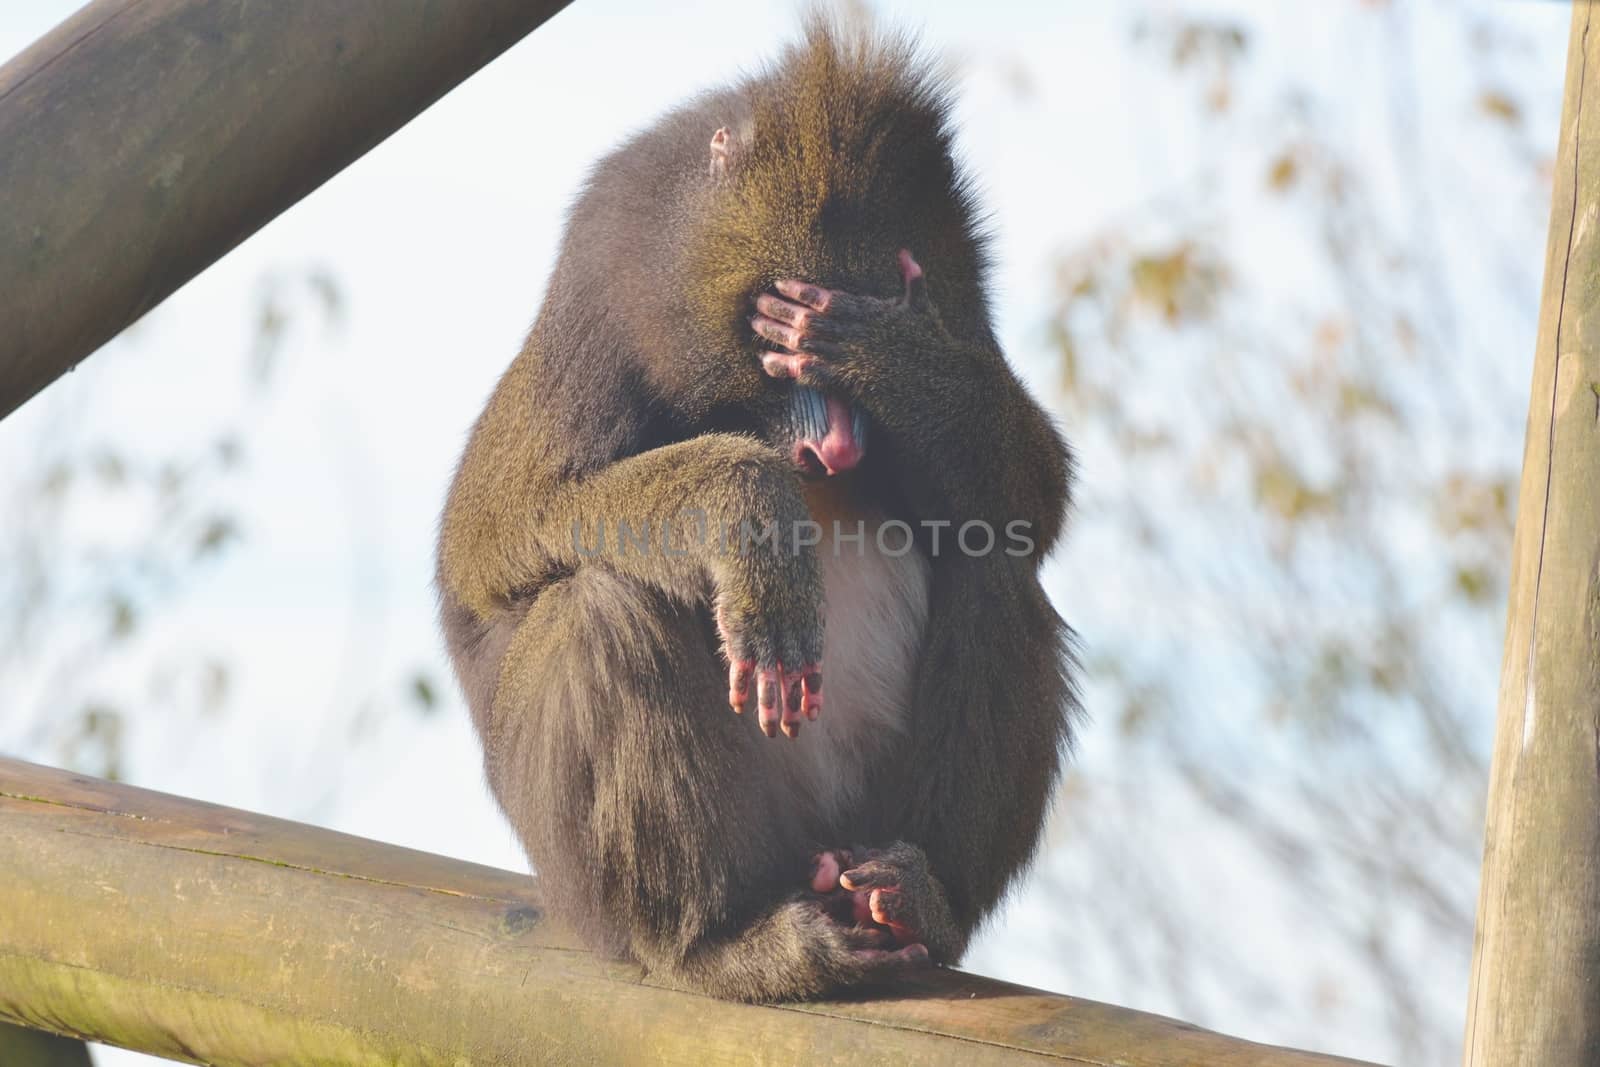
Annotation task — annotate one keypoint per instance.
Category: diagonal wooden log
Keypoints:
(211, 935)
(141, 140)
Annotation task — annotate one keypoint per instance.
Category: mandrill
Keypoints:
(762, 435)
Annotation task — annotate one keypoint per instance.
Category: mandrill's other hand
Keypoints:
(825, 334)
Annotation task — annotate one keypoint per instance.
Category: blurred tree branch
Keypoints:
(1313, 463)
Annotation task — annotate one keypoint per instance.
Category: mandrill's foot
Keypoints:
(889, 890)
(783, 695)
(872, 943)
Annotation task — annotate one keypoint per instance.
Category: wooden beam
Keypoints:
(212, 935)
(1535, 994)
(143, 139)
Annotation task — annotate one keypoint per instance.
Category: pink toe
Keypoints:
(825, 879)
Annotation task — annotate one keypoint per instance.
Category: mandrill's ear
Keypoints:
(724, 147)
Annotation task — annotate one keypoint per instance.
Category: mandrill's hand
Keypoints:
(773, 645)
(826, 336)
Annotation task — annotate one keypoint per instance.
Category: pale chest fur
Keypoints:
(877, 606)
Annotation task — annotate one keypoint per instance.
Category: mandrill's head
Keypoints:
(823, 167)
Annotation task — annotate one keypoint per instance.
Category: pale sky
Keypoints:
(441, 238)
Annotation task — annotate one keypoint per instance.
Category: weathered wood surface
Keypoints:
(1535, 995)
(213, 935)
(140, 140)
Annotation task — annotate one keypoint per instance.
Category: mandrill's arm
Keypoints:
(974, 444)
(682, 518)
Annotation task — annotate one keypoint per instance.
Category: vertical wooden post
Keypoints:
(1535, 993)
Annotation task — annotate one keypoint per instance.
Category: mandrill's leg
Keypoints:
(655, 822)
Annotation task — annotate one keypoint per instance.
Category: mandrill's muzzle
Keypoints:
(829, 432)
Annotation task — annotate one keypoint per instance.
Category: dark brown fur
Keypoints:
(597, 685)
